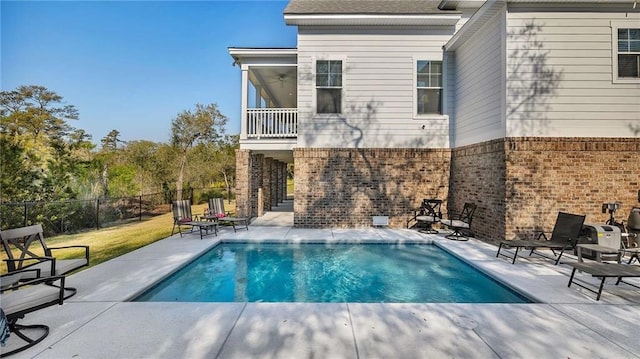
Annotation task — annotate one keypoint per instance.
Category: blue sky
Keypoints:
(133, 66)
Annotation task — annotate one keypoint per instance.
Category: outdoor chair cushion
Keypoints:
(427, 218)
(29, 297)
(62, 266)
(455, 223)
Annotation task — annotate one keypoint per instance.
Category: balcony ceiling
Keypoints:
(278, 83)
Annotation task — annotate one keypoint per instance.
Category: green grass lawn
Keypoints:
(114, 241)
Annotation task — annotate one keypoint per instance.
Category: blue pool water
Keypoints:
(363, 273)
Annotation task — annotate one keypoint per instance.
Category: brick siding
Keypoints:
(540, 177)
(519, 184)
(345, 187)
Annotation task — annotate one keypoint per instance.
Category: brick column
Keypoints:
(267, 183)
(243, 183)
(274, 183)
(256, 181)
(283, 181)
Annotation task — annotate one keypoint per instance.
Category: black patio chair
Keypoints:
(564, 236)
(19, 298)
(26, 248)
(424, 217)
(460, 222)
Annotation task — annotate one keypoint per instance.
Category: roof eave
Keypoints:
(371, 20)
(477, 20)
(242, 54)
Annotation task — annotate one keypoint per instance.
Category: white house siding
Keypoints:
(560, 77)
(378, 87)
(479, 86)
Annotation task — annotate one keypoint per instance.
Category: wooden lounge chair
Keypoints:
(19, 298)
(603, 271)
(425, 216)
(565, 235)
(216, 209)
(26, 248)
(460, 222)
(182, 217)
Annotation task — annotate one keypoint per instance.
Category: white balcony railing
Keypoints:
(272, 122)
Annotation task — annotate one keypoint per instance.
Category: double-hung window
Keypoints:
(329, 86)
(429, 87)
(629, 53)
(625, 54)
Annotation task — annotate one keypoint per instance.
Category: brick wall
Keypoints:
(478, 176)
(345, 187)
(577, 175)
(520, 184)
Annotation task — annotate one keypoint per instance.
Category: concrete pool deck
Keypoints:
(99, 322)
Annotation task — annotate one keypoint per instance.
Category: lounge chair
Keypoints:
(603, 271)
(425, 216)
(19, 298)
(216, 209)
(26, 248)
(182, 217)
(565, 235)
(460, 222)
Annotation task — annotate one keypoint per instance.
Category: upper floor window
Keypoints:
(429, 87)
(628, 53)
(329, 86)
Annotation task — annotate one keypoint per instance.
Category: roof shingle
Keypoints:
(349, 7)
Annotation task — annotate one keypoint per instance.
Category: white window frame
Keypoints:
(314, 100)
(615, 25)
(424, 116)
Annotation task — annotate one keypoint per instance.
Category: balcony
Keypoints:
(269, 100)
(272, 123)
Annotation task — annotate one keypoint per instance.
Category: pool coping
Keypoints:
(525, 297)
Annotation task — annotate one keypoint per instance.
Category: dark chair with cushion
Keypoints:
(216, 209)
(182, 217)
(429, 213)
(18, 298)
(26, 248)
(460, 222)
(564, 236)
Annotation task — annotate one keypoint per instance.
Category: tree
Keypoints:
(107, 157)
(226, 160)
(204, 124)
(38, 146)
(110, 141)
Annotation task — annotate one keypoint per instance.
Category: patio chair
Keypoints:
(182, 217)
(26, 248)
(19, 298)
(604, 271)
(428, 214)
(460, 222)
(216, 208)
(565, 235)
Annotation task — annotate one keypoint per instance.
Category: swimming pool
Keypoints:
(361, 273)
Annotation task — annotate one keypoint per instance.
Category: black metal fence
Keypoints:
(77, 215)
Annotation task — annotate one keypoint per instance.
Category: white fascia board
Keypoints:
(243, 55)
(379, 19)
(262, 52)
(478, 19)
